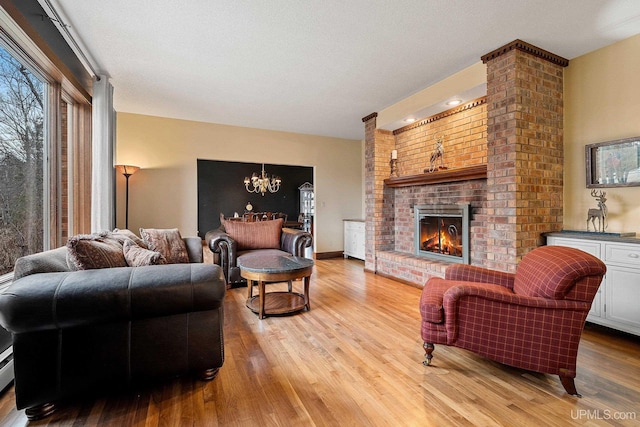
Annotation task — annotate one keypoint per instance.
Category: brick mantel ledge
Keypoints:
(438, 177)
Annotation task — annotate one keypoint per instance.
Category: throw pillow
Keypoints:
(137, 256)
(124, 235)
(88, 251)
(255, 235)
(168, 242)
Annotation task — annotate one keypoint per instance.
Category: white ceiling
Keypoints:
(315, 67)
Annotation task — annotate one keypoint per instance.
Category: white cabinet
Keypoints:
(617, 304)
(354, 238)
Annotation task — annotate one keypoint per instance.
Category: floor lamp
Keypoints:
(127, 171)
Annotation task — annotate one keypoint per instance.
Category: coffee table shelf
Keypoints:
(276, 303)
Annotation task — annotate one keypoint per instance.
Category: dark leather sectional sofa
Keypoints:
(84, 332)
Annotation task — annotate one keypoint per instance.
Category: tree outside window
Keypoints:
(22, 157)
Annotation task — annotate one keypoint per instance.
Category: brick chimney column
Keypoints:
(377, 152)
(524, 150)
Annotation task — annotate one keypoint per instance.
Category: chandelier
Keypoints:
(262, 183)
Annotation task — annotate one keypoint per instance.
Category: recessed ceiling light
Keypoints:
(410, 120)
(454, 102)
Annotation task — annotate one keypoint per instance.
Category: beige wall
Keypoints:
(602, 103)
(163, 193)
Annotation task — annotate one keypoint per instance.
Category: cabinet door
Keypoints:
(347, 239)
(359, 241)
(623, 295)
(354, 239)
(593, 248)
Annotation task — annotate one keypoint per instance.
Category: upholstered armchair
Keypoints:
(532, 319)
(236, 238)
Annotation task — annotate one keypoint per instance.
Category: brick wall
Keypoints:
(463, 131)
(369, 189)
(525, 150)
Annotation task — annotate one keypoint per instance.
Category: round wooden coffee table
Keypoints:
(269, 267)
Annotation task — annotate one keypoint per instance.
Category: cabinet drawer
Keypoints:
(354, 225)
(587, 246)
(622, 254)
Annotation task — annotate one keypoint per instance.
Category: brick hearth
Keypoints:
(516, 131)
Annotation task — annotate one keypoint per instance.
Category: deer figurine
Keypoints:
(437, 154)
(600, 213)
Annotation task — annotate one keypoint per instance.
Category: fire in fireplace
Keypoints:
(442, 232)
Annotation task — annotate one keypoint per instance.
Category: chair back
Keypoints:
(559, 272)
(250, 217)
(279, 215)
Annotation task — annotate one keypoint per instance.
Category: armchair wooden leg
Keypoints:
(428, 349)
(40, 411)
(570, 386)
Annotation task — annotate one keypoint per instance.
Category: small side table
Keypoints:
(269, 267)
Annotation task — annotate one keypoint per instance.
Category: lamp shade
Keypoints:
(127, 169)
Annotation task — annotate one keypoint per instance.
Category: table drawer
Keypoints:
(623, 254)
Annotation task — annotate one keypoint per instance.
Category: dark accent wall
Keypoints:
(221, 190)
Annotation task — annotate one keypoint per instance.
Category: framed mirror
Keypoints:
(613, 163)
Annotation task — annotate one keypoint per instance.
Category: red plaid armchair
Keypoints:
(532, 319)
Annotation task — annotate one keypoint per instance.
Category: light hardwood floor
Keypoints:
(355, 359)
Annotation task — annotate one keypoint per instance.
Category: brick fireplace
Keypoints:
(504, 159)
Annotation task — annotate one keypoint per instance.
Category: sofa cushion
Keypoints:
(98, 250)
(137, 256)
(168, 242)
(255, 235)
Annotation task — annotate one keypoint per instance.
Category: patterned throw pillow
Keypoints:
(255, 235)
(98, 250)
(122, 235)
(168, 242)
(137, 256)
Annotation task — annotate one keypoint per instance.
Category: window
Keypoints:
(45, 144)
(23, 153)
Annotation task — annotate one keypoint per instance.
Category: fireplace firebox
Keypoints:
(442, 232)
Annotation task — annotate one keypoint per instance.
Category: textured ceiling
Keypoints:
(315, 67)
